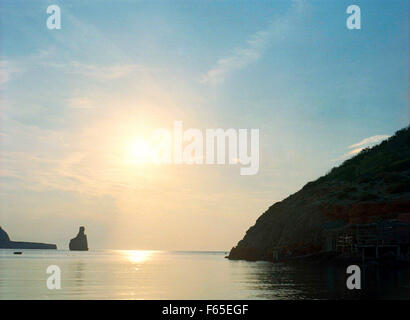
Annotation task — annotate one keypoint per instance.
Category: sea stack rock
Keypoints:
(79, 243)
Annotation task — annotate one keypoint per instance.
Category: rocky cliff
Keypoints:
(372, 186)
(79, 243)
(6, 243)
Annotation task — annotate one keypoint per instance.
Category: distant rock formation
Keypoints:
(6, 243)
(79, 243)
(4, 237)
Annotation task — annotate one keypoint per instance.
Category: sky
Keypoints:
(73, 100)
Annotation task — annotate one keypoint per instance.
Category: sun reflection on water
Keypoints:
(138, 256)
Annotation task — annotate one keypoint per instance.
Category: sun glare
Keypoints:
(139, 151)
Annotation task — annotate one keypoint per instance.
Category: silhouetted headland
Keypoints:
(359, 210)
(79, 243)
(6, 243)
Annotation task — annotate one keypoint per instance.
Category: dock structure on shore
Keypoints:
(382, 239)
(375, 240)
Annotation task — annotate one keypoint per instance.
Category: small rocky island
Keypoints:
(6, 243)
(79, 243)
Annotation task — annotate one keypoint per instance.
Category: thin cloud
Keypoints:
(369, 141)
(363, 144)
(355, 151)
(7, 69)
(81, 103)
(10, 67)
(241, 57)
(253, 49)
(101, 72)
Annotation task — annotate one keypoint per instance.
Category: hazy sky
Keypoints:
(72, 101)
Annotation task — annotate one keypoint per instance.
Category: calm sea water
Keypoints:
(115, 274)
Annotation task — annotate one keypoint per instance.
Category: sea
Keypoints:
(141, 274)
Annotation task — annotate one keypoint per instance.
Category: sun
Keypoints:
(139, 151)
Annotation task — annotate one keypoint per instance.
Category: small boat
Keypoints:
(17, 252)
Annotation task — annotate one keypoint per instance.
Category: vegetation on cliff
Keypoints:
(374, 185)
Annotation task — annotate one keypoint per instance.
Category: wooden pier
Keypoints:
(378, 239)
